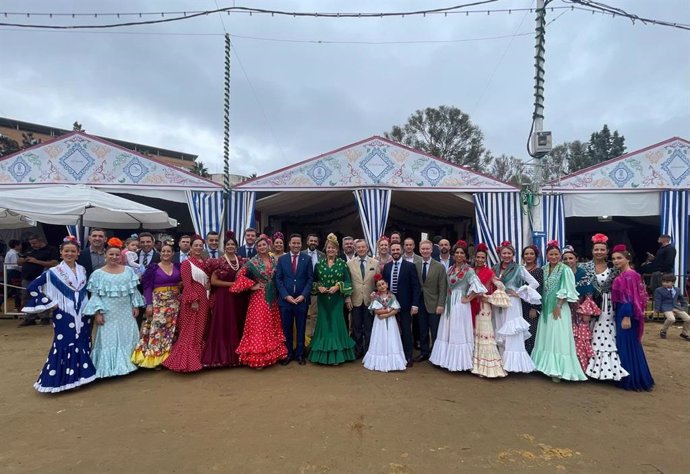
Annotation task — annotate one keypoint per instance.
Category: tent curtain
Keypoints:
(674, 222)
(206, 209)
(553, 219)
(499, 218)
(373, 206)
(241, 207)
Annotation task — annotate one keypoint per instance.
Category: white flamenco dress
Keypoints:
(454, 346)
(385, 352)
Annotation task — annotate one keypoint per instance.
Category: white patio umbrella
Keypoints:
(77, 204)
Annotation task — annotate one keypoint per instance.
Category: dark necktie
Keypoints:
(394, 278)
(426, 264)
(361, 267)
(146, 259)
(214, 253)
(294, 264)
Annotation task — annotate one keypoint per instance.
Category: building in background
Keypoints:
(28, 134)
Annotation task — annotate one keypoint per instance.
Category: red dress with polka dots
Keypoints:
(185, 355)
(263, 342)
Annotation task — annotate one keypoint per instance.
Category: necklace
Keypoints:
(235, 266)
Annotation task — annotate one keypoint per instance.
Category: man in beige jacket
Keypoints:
(362, 270)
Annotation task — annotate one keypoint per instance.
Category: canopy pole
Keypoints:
(226, 141)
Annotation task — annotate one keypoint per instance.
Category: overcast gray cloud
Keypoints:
(155, 86)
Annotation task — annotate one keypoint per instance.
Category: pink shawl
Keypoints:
(629, 288)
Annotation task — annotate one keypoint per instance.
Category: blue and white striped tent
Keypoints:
(369, 186)
(653, 181)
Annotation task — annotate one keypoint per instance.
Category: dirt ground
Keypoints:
(312, 419)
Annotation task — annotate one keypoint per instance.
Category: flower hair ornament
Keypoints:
(462, 244)
(620, 248)
(384, 239)
(266, 238)
(229, 234)
(278, 235)
(70, 239)
(482, 247)
(331, 238)
(197, 237)
(378, 277)
(134, 236)
(114, 242)
(599, 239)
(553, 244)
(506, 244)
(568, 249)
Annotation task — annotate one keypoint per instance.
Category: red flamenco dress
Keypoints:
(228, 311)
(263, 342)
(185, 355)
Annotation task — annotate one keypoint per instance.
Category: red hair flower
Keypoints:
(482, 247)
(378, 277)
(620, 248)
(599, 239)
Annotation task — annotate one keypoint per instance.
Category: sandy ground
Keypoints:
(314, 419)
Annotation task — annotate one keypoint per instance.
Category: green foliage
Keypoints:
(199, 168)
(8, 146)
(445, 132)
(507, 168)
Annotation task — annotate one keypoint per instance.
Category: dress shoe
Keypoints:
(685, 336)
(27, 322)
(302, 361)
(285, 361)
(421, 358)
(409, 364)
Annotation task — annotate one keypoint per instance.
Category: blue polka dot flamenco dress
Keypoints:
(69, 362)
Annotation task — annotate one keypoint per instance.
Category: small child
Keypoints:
(130, 254)
(668, 300)
(385, 348)
(582, 332)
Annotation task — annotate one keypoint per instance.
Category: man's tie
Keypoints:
(146, 259)
(394, 278)
(361, 267)
(214, 253)
(294, 264)
(426, 264)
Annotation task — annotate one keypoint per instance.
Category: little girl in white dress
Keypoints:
(385, 349)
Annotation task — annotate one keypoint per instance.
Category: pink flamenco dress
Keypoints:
(582, 331)
(263, 341)
(185, 355)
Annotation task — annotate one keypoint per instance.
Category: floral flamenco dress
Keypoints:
(554, 351)
(114, 295)
(454, 346)
(263, 341)
(69, 363)
(331, 343)
(385, 352)
(486, 360)
(162, 292)
(581, 329)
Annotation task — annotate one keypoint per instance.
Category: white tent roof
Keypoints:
(78, 158)
(375, 162)
(69, 205)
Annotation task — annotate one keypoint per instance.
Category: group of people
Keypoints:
(200, 307)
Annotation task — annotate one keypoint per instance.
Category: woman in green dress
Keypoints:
(331, 343)
(554, 348)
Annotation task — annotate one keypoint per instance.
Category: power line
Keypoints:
(614, 11)
(181, 16)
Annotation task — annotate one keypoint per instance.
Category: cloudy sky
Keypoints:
(162, 85)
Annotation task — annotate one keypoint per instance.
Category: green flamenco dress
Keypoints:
(554, 351)
(331, 343)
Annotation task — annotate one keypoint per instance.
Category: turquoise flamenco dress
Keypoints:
(554, 351)
(114, 295)
(331, 344)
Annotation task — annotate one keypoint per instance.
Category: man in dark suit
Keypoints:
(403, 282)
(185, 245)
(248, 250)
(147, 254)
(432, 298)
(212, 245)
(93, 257)
(294, 277)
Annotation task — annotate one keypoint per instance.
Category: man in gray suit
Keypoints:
(315, 255)
(434, 283)
(362, 270)
(408, 251)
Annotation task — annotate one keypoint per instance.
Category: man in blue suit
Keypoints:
(403, 282)
(294, 277)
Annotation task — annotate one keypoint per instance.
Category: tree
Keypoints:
(603, 146)
(76, 127)
(200, 168)
(508, 169)
(562, 158)
(445, 132)
(8, 146)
